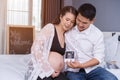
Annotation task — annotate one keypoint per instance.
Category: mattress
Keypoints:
(13, 67)
(116, 72)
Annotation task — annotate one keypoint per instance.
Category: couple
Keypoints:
(54, 39)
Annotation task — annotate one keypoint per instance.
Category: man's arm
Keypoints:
(77, 64)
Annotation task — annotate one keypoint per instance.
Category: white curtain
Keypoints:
(3, 14)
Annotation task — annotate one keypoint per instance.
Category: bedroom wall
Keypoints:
(68, 2)
(108, 13)
(2, 24)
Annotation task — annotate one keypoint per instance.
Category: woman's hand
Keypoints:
(55, 74)
(57, 63)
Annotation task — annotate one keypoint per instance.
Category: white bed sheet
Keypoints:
(13, 67)
(111, 54)
(116, 72)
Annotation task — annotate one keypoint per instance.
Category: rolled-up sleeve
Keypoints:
(99, 48)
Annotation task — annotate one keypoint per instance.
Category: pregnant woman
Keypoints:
(49, 47)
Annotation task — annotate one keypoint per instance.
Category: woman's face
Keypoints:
(67, 21)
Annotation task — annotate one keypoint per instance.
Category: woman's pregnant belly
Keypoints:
(56, 60)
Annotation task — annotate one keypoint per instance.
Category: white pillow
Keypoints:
(112, 49)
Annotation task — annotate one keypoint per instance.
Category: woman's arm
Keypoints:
(39, 54)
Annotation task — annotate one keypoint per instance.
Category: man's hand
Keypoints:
(74, 64)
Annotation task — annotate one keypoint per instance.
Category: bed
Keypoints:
(13, 67)
(112, 52)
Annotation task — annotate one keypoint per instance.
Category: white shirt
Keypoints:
(87, 44)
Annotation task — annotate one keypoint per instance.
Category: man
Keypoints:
(87, 42)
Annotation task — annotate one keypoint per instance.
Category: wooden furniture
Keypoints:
(19, 39)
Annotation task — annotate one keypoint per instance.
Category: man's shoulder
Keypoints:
(95, 34)
(95, 30)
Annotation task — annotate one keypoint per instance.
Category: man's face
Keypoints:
(82, 22)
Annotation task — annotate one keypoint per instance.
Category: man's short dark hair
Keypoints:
(87, 10)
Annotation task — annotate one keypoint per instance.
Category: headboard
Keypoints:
(19, 39)
(110, 34)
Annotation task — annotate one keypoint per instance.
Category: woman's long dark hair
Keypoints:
(66, 9)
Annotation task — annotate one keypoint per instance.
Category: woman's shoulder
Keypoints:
(48, 29)
(49, 25)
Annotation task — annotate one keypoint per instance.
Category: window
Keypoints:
(37, 14)
(24, 12)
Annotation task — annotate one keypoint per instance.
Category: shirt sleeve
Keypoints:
(99, 48)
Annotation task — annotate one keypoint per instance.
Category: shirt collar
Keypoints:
(87, 31)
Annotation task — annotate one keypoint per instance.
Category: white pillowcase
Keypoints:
(112, 52)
